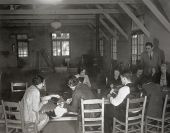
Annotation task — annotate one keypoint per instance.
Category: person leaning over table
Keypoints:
(118, 102)
(80, 91)
(32, 103)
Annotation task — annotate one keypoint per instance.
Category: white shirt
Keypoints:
(123, 92)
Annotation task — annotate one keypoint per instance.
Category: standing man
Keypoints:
(32, 104)
(159, 51)
(150, 59)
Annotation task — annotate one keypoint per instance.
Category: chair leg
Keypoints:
(114, 125)
(162, 127)
(146, 126)
(142, 127)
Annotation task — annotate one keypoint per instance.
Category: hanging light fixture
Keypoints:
(56, 24)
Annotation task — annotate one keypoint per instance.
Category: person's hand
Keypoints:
(55, 95)
(111, 86)
(112, 91)
(44, 102)
(68, 101)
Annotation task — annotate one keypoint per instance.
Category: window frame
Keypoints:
(60, 40)
(112, 46)
(138, 45)
(25, 40)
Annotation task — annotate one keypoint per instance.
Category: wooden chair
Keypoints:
(14, 118)
(2, 119)
(18, 87)
(161, 125)
(134, 120)
(92, 115)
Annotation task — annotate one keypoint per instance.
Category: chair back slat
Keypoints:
(17, 87)
(92, 111)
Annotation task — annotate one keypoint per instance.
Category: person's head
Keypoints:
(82, 71)
(116, 73)
(73, 82)
(139, 71)
(155, 42)
(163, 68)
(149, 47)
(126, 78)
(38, 81)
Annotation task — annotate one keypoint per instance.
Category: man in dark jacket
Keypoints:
(80, 91)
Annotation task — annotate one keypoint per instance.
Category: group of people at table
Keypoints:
(119, 87)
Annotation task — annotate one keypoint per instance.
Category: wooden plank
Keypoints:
(107, 27)
(58, 11)
(114, 23)
(48, 17)
(158, 14)
(67, 1)
(45, 21)
(134, 18)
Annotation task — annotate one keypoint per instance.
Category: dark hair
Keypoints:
(37, 80)
(127, 75)
(80, 69)
(149, 44)
(73, 81)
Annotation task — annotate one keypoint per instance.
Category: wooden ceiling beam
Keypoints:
(67, 1)
(107, 27)
(158, 14)
(92, 26)
(45, 21)
(134, 18)
(117, 26)
(44, 17)
(58, 11)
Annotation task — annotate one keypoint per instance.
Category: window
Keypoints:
(22, 45)
(60, 44)
(101, 47)
(114, 48)
(137, 47)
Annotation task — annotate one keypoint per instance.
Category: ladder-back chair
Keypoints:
(134, 119)
(92, 112)
(18, 87)
(162, 124)
(14, 118)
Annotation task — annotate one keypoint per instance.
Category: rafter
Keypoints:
(158, 14)
(58, 11)
(44, 21)
(134, 18)
(92, 26)
(67, 1)
(107, 27)
(114, 22)
(44, 17)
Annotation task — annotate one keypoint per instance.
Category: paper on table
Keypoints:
(59, 111)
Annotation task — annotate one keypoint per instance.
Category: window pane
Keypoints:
(56, 48)
(22, 49)
(65, 48)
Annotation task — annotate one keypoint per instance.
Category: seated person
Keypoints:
(80, 91)
(118, 102)
(115, 79)
(83, 77)
(155, 102)
(138, 75)
(32, 103)
(163, 77)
